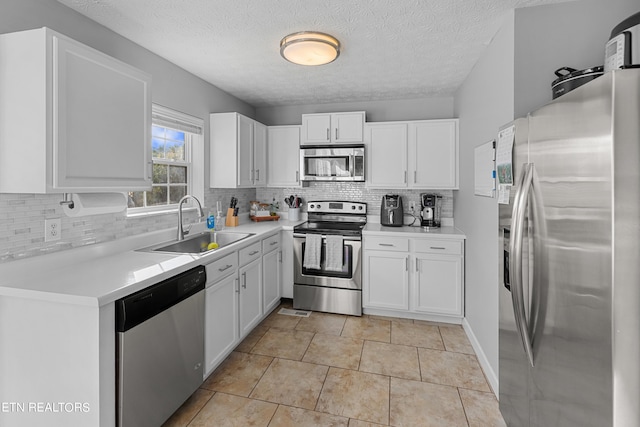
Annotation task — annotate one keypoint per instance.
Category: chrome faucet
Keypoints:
(181, 232)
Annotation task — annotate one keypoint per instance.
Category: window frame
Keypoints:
(193, 127)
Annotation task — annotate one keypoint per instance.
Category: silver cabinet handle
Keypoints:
(237, 286)
(328, 134)
(280, 257)
(297, 176)
(257, 174)
(273, 243)
(417, 265)
(386, 244)
(253, 253)
(336, 134)
(405, 177)
(415, 176)
(406, 264)
(440, 248)
(150, 169)
(226, 267)
(244, 280)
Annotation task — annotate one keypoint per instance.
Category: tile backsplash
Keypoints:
(22, 219)
(352, 191)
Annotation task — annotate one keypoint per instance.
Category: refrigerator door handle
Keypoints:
(518, 216)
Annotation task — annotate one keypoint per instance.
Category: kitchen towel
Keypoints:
(333, 255)
(312, 251)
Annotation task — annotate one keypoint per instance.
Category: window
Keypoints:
(175, 137)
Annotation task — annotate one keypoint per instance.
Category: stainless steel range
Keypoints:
(328, 258)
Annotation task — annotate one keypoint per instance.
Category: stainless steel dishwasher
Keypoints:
(159, 348)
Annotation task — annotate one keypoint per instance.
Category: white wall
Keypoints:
(483, 104)
(376, 111)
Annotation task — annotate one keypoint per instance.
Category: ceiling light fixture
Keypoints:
(309, 48)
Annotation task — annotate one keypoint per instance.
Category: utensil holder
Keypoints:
(231, 221)
(294, 214)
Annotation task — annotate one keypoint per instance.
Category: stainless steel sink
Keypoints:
(199, 243)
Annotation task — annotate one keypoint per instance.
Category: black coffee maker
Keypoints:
(430, 210)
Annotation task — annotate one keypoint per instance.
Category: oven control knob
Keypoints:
(360, 208)
(318, 206)
(311, 206)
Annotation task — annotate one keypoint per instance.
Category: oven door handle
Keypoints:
(324, 237)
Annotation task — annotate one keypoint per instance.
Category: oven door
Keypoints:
(350, 277)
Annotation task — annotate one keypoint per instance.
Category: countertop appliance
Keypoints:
(160, 348)
(623, 48)
(391, 211)
(332, 163)
(569, 325)
(430, 210)
(328, 258)
(570, 78)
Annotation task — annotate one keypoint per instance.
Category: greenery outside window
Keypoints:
(172, 143)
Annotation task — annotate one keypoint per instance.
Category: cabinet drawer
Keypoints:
(222, 268)
(271, 243)
(448, 247)
(250, 253)
(379, 243)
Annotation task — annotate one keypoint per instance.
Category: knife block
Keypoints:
(231, 221)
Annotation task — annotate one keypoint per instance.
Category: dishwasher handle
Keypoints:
(138, 307)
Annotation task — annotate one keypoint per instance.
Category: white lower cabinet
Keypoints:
(221, 321)
(414, 277)
(271, 272)
(286, 288)
(250, 275)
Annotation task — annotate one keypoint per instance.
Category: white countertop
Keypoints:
(99, 274)
(445, 232)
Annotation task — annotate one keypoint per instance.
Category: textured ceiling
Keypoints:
(391, 49)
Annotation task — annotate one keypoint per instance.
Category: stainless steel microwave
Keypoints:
(332, 163)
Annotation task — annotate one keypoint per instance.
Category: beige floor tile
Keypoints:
(355, 394)
(416, 334)
(367, 329)
(225, 410)
(287, 416)
(287, 344)
(454, 369)
(189, 409)
(341, 352)
(414, 403)
(291, 383)
(357, 423)
(323, 323)
(238, 374)
(455, 339)
(482, 409)
(282, 321)
(390, 359)
(250, 340)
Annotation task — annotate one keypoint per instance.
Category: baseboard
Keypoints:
(492, 376)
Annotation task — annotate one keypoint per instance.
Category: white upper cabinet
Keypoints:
(72, 119)
(238, 153)
(333, 128)
(416, 154)
(283, 156)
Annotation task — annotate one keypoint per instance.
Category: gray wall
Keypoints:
(483, 104)
(569, 34)
(376, 111)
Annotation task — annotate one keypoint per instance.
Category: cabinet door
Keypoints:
(386, 280)
(347, 127)
(245, 151)
(271, 280)
(287, 264)
(102, 116)
(259, 154)
(387, 155)
(283, 156)
(434, 154)
(316, 128)
(438, 284)
(250, 296)
(221, 321)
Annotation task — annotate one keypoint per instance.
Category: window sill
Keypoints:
(166, 211)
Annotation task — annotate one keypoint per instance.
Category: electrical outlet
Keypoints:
(412, 206)
(52, 229)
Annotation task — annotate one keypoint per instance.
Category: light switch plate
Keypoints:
(52, 229)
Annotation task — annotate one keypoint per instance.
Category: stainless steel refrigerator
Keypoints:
(570, 261)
